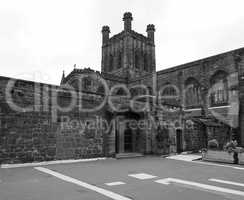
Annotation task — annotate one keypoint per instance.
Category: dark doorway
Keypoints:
(116, 141)
(179, 140)
(128, 140)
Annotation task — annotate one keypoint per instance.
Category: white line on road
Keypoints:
(115, 183)
(185, 157)
(218, 165)
(167, 181)
(102, 191)
(241, 168)
(142, 176)
(209, 163)
(226, 182)
(54, 162)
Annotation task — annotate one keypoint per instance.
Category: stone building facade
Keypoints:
(128, 107)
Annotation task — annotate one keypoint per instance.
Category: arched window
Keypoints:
(192, 93)
(120, 92)
(145, 62)
(169, 90)
(219, 89)
(119, 60)
(110, 67)
(87, 83)
(137, 61)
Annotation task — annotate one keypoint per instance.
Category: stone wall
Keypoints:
(40, 134)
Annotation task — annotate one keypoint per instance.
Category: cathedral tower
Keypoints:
(128, 53)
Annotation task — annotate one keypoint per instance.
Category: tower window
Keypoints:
(110, 63)
(119, 60)
(145, 62)
(137, 61)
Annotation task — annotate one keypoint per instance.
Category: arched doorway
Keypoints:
(128, 140)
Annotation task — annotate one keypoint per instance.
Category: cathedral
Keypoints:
(126, 109)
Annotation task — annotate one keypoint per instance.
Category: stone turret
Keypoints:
(127, 21)
(105, 32)
(150, 32)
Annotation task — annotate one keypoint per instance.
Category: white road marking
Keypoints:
(115, 183)
(207, 163)
(185, 157)
(167, 181)
(6, 166)
(142, 176)
(218, 165)
(241, 168)
(226, 182)
(102, 191)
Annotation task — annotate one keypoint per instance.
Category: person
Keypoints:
(235, 156)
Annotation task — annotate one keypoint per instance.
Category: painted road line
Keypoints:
(168, 181)
(226, 182)
(102, 191)
(142, 176)
(115, 183)
(241, 168)
(185, 157)
(6, 166)
(218, 165)
(208, 163)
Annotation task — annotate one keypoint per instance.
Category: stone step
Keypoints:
(128, 155)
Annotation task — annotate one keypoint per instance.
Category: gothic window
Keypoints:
(120, 92)
(219, 89)
(137, 63)
(119, 60)
(110, 63)
(169, 91)
(145, 62)
(192, 93)
(87, 83)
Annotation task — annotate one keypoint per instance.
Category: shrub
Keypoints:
(213, 144)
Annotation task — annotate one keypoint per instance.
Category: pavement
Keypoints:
(146, 178)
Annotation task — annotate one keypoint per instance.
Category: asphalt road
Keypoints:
(137, 180)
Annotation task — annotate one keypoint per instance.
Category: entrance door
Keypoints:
(128, 140)
(117, 141)
(179, 140)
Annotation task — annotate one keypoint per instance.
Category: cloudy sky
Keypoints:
(40, 39)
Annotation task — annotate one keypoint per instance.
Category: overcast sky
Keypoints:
(40, 39)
